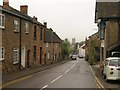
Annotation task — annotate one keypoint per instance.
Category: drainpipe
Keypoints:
(20, 46)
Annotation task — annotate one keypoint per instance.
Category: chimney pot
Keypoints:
(24, 9)
(45, 24)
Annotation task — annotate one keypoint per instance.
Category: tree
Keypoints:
(65, 48)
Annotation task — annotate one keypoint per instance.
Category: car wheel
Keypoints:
(104, 76)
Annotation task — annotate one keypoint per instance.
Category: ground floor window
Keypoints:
(15, 55)
(2, 53)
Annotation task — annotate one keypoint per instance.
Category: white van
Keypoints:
(112, 68)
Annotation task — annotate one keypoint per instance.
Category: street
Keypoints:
(72, 74)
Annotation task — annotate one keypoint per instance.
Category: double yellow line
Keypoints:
(14, 81)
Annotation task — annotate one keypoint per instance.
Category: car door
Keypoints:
(106, 67)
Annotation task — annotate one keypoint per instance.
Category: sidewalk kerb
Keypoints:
(97, 78)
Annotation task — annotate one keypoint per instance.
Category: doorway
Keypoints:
(23, 57)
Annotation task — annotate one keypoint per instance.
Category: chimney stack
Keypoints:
(35, 18)
(5, 3)
(45, 24)
(24, 9)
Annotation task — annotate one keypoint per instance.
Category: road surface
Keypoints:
(72, 74)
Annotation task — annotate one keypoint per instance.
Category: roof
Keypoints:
(51, 36)
(107, 10)
(17, 13)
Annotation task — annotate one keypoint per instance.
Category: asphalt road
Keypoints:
(72, 74)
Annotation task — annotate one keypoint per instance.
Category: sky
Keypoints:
(68, 18)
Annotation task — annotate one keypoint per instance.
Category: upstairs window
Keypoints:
(16, 26)
(26, 28)
(2, 53)
(40, 33)
(35, 36)
(15, 55)
(2, 21)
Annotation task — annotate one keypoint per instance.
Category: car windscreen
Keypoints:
(114, 62)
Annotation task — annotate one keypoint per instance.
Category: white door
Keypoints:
(23, 57)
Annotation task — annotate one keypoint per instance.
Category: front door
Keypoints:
(28, 57)
(45, 59)
(23, 57)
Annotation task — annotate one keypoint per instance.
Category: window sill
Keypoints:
(2, 59)
(15, 63)
(26, 32)
(16, 31)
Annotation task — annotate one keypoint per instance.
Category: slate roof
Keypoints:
(11, 10)
(51, 37)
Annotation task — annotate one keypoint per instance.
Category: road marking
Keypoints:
(97, 79)
(14, 81)
(56, 78)
(44, 87)
(70, 69)
(67, 71)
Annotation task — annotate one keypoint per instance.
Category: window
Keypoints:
(35, 32)
(16, 26)
(47, 44)
(40, 33)
(34, 53)
(2, 53)
(2, 21)
(48, 55)
(15, 55)
(26, 28)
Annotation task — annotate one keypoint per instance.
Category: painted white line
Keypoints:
(56, 79)
(67, 71)
(97, 79)
(70, 69)
(44, 87)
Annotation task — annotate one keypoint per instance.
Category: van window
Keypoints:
(106, 63)
(114, 63)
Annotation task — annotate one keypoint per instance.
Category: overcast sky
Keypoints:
(68, 18)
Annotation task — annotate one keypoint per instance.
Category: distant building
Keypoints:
(52, 47)
(73, 41)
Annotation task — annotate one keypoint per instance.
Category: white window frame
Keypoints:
(47, 45)
(48, 55)
(2, 53)
(16, 26)
(15, 55)
(2, 21)
(26, 27)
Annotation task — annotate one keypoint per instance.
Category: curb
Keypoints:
(99, 83)
(30, 72)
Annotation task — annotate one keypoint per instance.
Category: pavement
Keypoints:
(22, 73)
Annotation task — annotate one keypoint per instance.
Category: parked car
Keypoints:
(74, 57)
(115, 54)
(80, 56)
(112, 68)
